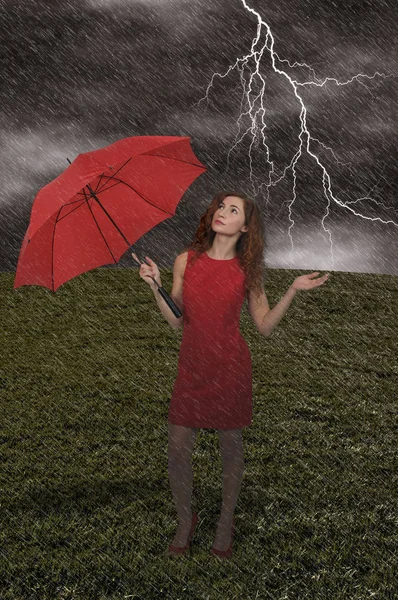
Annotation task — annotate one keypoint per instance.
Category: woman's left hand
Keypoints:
(307, 282)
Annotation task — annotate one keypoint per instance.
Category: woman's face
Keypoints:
(231, 214)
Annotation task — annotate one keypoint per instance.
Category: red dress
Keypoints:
(213, 388)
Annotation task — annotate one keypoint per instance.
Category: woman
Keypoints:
(221, 268)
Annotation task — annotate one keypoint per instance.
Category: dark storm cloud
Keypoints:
(79, 75)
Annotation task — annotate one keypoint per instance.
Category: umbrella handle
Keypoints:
(168, 300)
(174, 308)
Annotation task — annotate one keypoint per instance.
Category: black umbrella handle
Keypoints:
(174, 308)
(168, 300)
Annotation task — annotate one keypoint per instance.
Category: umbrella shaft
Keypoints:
(92, 195)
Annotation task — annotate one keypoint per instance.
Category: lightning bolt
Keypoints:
(306, 142)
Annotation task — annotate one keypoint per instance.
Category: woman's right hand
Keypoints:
(148, 271)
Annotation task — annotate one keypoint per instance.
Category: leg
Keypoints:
(180, 448)
(231, 445)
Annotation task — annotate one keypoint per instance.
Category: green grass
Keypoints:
(86, 376)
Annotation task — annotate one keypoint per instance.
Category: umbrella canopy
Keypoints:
(101, 204)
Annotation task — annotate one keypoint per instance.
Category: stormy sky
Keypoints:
(319, 156)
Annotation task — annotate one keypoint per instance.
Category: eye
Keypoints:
(232, 209)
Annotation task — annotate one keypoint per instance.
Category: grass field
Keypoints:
(86, 376)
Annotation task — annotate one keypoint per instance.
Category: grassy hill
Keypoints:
(86, 376)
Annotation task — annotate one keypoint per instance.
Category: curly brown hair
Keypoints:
(249, 247)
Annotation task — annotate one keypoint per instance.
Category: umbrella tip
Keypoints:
(68, 161)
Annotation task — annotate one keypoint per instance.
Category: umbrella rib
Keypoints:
(118, 181)
(138, 193)
(98, 190)
(185, 162)
(100, 230)
(115, 173)
(71, 211)
(104, 189)
(52, 250)
(99, 182)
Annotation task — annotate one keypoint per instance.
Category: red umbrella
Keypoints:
(101, 204)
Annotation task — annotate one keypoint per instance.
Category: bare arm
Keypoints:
(272, 317)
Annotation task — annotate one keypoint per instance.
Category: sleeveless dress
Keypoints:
(213, 388)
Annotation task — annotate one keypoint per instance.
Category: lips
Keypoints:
(218, 221)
